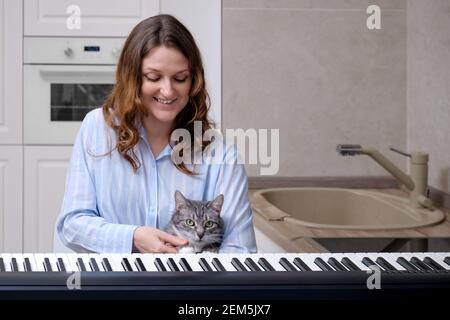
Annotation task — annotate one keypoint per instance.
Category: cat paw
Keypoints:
(186, 250)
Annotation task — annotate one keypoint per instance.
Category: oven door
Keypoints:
(57, 97)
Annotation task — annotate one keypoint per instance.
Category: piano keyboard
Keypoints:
(282, 262)
(222, 276)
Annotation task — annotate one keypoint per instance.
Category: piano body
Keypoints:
(276, 276)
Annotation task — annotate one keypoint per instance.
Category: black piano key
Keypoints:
(126, 265)
(350, 264)
(420, 264)
(47, 265)
(93, 264)
(369, 262)
(27, 265)
(60, 265)
(251, 264)
(218, 265)
(80, 265)
(159, 265)
(2, 265)
(433, 264)
(237, 264)
(265, 264)
(185, 265)
(447, 260)
(287, 265)
(204, 264)
(172, 265)
(106, 265)
(406, 264)
(140, 265)
(336, 264)
(14, 266)
(322, 264)
(385, 264)
(301, 264)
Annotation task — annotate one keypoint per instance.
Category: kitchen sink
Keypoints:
(340, 208)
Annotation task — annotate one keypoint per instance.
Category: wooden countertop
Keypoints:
(295, 237)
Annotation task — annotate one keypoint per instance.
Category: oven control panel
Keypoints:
(42, 50)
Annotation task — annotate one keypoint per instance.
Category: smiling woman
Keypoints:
(122, 177)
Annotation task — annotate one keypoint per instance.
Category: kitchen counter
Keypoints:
(296, 238)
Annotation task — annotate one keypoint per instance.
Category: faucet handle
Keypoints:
(400, 152)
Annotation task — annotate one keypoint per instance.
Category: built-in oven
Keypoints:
(65, 78)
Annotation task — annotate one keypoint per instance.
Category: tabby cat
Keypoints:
(199, 222)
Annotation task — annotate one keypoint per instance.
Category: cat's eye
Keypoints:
(209, 224)
(190, 222)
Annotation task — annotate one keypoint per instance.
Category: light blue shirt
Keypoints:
(105, 200)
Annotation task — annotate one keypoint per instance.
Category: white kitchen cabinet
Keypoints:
(96, 18)
(45, 169)
(11, 198)
(10, 72)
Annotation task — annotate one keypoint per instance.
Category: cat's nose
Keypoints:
(200, 236)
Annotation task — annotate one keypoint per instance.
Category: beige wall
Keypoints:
(428, 85)
(315, 71)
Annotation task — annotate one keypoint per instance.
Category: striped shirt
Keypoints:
(105, 200)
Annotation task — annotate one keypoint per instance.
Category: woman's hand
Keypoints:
(152, 240)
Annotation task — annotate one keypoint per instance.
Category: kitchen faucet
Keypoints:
(416, 182)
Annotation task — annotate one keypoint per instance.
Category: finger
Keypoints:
(175, 241)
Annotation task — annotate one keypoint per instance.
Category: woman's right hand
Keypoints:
(152, 240)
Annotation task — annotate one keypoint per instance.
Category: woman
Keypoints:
(122, 178)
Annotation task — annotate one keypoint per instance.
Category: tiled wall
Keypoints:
(428, 85)
(315, 71)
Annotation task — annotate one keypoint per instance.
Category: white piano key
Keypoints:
(439, 258)
(361, 255)
(85, 258)
(193, 260)
(308, 259)
(132, 260)
(97, 259)
(117, 259)
(7, 261)
(356, 258)
(19, 259)
(274, 260)
(110, 260)
(141, 256)
(225, 260)
(67, 264)
(163, 258)
(175, 258)
(392, 257)
(34, 267)
(72, 261)
(53, 260)
(148, 260)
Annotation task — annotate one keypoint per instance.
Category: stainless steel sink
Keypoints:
(340, 208)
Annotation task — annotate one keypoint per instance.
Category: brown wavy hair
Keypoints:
(123, 109)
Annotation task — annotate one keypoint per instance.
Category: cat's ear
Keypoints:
(180, 201)
(217, 203)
